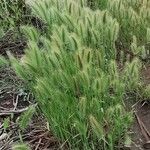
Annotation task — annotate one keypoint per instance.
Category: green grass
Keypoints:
(11, 13)
(71, 67)
(72, 71)
(134, 20)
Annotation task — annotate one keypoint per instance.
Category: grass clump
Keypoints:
(72, 71)
(11, 14)
(133, 17)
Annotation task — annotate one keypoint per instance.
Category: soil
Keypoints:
(10, 42)
(143, 111)
(36, 134)
(13, 98)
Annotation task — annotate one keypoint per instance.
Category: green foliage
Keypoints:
(11, 13)
(95, 28)
(3, 61)
(133, 17)
(26, 117)
(6, 123)
(73, 73)
(146, 92)
(20, 147)
(94, 4)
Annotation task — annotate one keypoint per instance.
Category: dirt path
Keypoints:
(142, 110)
